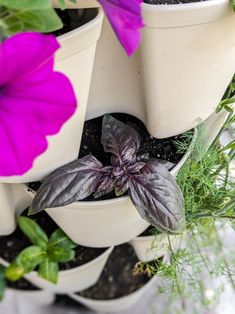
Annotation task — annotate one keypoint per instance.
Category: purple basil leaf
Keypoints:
(158, 199)
(135, 168)
(152, 165)
(70, 183)
(121, 185)
(120, 140)
(106, 183)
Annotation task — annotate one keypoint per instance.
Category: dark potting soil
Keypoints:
(117, 279)
(13, 244)
(149, 232)
(149, 146)
(74, 18)
(22, 284)
(166, 2)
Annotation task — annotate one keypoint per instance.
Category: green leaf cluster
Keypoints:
(44, 254)
(28, 15)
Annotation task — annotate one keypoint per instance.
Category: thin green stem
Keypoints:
(200, 253)
(176, 279)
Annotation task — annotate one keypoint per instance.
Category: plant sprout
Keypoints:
(44, 255)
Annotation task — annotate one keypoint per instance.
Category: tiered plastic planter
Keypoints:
(172, 83)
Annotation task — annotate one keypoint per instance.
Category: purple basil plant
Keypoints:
(151, 187)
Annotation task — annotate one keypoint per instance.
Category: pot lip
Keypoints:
(123, 298)
(83, 28)
(154, 237)
(67, 272)
(118, 200)
(183, 6)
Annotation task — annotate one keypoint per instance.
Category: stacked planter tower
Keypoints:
(173, 82)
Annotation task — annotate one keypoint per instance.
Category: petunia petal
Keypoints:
(20, 142)
(34, 100)
(125, 18)
(49, 104)
(24, 53)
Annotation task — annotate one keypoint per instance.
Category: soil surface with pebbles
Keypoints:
(117, 278)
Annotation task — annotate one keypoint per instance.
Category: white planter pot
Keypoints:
(14, 199)
(116, 305)
(175, 78)
(149, 248)
(73, 280)
(187, 57)
(40, 297)
(81, 4)
(75, 59)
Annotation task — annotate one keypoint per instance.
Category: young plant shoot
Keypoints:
(44, 255)
(151, 187)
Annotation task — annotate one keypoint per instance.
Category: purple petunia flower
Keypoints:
(125, 18)
(35, 101)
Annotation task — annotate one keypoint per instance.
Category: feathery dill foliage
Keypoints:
(204, 197)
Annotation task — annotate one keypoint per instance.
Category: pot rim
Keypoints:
(183, 6)
(83, 28)
(185, 14)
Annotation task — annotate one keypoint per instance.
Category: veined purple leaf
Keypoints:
(106, 183)
(120, 140)
(158, 199)
(68, 184)
(121, 185)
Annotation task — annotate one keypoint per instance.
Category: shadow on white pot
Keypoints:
(183, 50)
(75, 59)
(72, 280)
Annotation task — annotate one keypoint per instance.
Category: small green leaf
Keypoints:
(50, 21)
(59, 238)
(60, 254)
(30, 258)
(225, 104)
(26, 4)
(61, 4)
(49, 271)
(14, 272)
(2, 282)
(230, 146)
(233, 4)
(33, 231)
